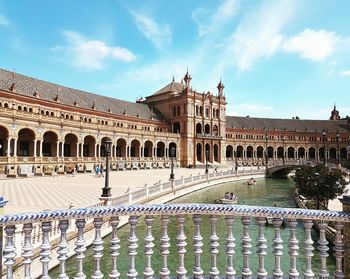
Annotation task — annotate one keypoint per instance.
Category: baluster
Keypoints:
(230, 245)
(181, 247)
(308, 249)
(261, 245)
(338, 251)
(115, 246)
(246, 246)
(97, 247)
(63, 248)
(80, 249)
(197, 247)
(45, 249)
(293, 249)
(214, 244)
(9, 250)
(164, 246)
(148, 272)
(323, 248)
(132, 240)
(27, 251)
(277, 248)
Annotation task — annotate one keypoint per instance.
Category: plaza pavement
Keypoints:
(34, 194)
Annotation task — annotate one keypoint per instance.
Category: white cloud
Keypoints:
(209, 20)
(91, 54)
(312, 45)
(345, 73)
(259, 35)
(4, 21)
(251, 109)
(159, 35)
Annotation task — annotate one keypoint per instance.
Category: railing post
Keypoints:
(346, 237)
(27, 249)
(80, 248)
(63, 248)
(45, 249)
(97, 247)
(246, 246)
(338, 251)
(115, 246)
(261, 245)
(277, 248)
(164, 246)
(293, 249)
(148, 272)
(9, 250)
(308, 247)
(230, 246)
(323, 248)
(181, 247)
(132, 245)
(214, 251)
(197, 246)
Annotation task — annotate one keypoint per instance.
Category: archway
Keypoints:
(239, 151)
(216, 153)
(229, 152)
(260, 152)
(4, 134)
(70, 145)
(176, 127)
(207, 153)
(121, 148)
(198, 128)
(215, 130)
(135, 148)
(50, 144)
(270, 152)
(290, 153)
(160, 149)
(25, 145)
(207, 129)
(250, 152)
(199, 152)
(280, 152)
(321, 153)
(147, 149)
(312, 153)
(89, 146)
(301, 152)
(332, 153)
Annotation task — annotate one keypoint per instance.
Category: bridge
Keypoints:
(283, 168)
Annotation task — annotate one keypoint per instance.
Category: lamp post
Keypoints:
(172, 154)
(236, 163)
(266, 153)
(106, 190)
(283, 140)
(324, 138)
(206, 161)
(337, 136)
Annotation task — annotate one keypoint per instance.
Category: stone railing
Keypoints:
(220, 220)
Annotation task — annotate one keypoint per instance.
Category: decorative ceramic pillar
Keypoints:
(97, 248)
(323, 248)
(164, 247)
(27, 250)
(214, 245)
(181, 247)
(45, 249)
(277, 248)
(308, 247)
(80, 248)
(246, 246)
(230, 246)
(346, 238)
(261, 247)
(63, 249)
(115, 247)
(132, 245)
(339, 251)
(149, 244)
(197, 247)
(9, 252)
(293, 249)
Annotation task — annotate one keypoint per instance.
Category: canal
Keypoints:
(267, 192)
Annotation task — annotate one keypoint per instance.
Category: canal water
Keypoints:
(267, 192)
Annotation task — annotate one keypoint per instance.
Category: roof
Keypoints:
(47, 91)
(171, 87)
(269, 124)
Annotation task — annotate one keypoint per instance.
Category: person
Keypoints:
(227, 196)
(232, 196)
(97, 170)
(101, 170)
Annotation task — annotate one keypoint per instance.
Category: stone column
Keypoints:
(35, 143)
(81, 149)
(62, 150)
(346, 237)
(77, 149)
(99, 150)
(8, 147)
(57, 149)
(41, 148)
(15, 148)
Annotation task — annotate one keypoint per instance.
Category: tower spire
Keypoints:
(220, 88)
(187, 79)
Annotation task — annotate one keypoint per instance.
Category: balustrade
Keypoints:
(217, 216)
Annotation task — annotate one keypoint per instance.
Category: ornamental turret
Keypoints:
(334, 114)
(220, 88)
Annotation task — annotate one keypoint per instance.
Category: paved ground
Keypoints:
(41, 193)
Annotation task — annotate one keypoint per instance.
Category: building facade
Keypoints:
(46, 128)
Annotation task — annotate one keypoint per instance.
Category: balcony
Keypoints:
(208, 136)
(97, 221)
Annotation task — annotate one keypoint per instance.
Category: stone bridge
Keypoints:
(282, 170)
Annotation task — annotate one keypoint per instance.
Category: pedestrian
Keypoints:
(102, 174)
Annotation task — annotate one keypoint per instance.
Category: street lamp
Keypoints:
(266, 153)
(236, 163)
(106, 191)
(172, 154)
(337, 136)
(324, 138)
(206, 161)
(283, 140)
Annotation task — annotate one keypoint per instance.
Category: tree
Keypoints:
(320, 183)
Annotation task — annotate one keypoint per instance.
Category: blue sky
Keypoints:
(277, 59)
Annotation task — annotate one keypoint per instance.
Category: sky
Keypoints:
(277, 59)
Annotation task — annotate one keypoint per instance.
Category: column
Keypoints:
(8, 147)
(41, 148)
(62, 150)
(77, 149)
(140, 149)
(15, 148)
(99, 150)
(81, 149)
(126, 151)
(343, 249)
(35, 143)
(57, 149)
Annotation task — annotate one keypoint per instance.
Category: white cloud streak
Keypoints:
(208, 21)
(4, 21)
(159, 35)
(90, 54)
(345, 73)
